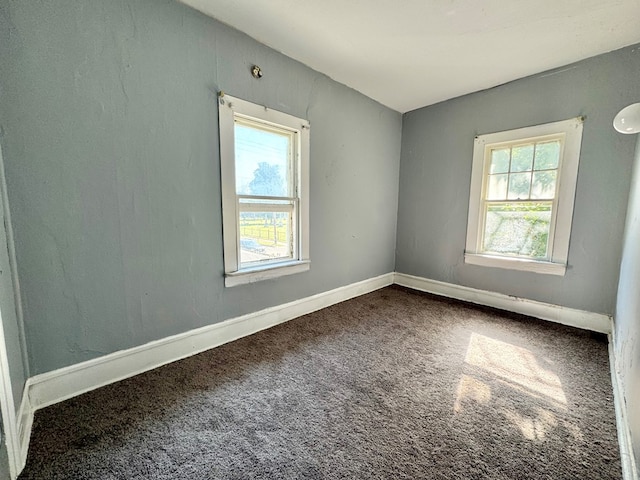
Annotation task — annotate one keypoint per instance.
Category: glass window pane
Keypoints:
(262, 161)
(544, 184)
(519, 184)
(517, 229)
(521, 158)
(499, 161)
(497, 187)
(265, 236)
(547, 155)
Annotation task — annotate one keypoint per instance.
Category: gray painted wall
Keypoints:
(435, 172)
(627, 318)
(111, 152)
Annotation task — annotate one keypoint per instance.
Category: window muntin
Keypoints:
(264, 166)
(521, 197)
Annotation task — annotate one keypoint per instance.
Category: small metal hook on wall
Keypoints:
(256, 71)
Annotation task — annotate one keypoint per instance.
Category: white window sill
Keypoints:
(265, 272)
(512, 263)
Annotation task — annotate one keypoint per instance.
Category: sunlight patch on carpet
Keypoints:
(533, 427)
(515, 364)
(470, 388)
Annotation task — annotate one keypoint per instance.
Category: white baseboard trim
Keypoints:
(59, 385)
(627, 458)
(64, 383)
(596, 322)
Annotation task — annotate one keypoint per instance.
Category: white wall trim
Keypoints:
(64, 383)
(627, 458)
(7, 403)
(24, 423)
(7, 406)
(515, 263)
(13, 264)
(596, 322)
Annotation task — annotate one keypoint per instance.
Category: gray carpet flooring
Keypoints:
(391, 385)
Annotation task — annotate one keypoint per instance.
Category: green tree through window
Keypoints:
(267, 181)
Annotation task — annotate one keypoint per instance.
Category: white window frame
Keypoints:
(570, 132)
(229, 110)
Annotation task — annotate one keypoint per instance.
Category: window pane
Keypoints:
(521, 158)
(500, 161)
(547, 155)
(519, 184)
(262, 161)
(517, 229)
(544, 184)
(497, 187)
(265, 236)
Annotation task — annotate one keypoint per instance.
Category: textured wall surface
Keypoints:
(109, 116)
(435, 173)
(627, 318)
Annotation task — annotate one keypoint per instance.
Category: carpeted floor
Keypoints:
(391, 385)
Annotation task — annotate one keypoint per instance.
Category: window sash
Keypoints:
(483, 227)
(485, 203)
(272, 203)
(291, 173)
(289, 242)
(486, 176)
(291, 208)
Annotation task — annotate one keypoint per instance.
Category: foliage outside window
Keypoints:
(264, 166)
(521, 203)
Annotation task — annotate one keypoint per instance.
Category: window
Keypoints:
(521, 201)
(265, 191)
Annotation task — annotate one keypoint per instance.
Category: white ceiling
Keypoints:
(410, 53)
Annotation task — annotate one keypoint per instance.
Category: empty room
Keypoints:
(319, 240)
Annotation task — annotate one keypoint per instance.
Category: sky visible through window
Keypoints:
(254, 146)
